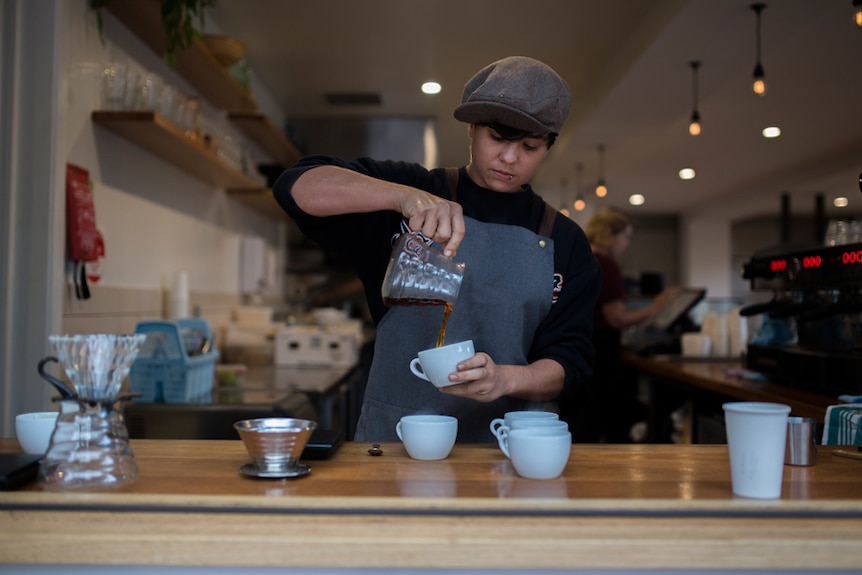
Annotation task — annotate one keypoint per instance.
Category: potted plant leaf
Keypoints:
(183, 21)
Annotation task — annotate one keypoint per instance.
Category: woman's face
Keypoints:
(620, 242)
(503, 165)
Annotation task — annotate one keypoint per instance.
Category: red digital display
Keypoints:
(811, 262)
(850, 258)
(777, 265)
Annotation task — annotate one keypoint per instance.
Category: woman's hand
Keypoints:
(482, 379)
(477, 378)
(436, 218)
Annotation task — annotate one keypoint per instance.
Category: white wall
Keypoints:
(156, 219)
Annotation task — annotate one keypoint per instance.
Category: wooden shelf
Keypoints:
(259, 199)
(156, 134)
(196, 63)
(271, 139)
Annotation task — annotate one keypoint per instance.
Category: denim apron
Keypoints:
(506, 292)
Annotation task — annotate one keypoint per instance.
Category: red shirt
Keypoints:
(613, 288)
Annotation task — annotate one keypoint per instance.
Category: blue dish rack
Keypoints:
(165, 372)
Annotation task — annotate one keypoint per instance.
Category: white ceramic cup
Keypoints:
(427, 437)
(34, 430)
(696, 345)
(536, 452)
(502, 425)
(437, 363)
(756, 436)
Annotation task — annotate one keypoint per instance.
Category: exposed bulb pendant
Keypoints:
(563, 193)
(857, 13)
(580, 204)
(759, 85)
(601, 187)
(694, 126)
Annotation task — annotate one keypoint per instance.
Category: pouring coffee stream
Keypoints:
(420, 275)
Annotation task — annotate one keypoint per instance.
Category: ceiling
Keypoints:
(628, 65)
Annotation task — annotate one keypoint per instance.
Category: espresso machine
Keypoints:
(817, 301)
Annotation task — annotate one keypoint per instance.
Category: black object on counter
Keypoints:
(18, 469)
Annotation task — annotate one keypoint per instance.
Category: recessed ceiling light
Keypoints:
(431, 88)
(636, 199)
(771, 132)
(840, 202)
(686, 174)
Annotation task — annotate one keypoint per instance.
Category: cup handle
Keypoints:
(416, 368)
(503, 442)
(398, 430)
(496, 424)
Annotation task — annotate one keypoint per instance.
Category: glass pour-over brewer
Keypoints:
(90, 448)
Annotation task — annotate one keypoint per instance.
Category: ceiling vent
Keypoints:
(353, 99)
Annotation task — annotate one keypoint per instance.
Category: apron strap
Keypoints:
(547, 224)
(545, 228)
(452, 178)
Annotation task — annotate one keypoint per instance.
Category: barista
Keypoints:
(527, 296)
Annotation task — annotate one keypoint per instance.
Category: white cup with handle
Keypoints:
(502, 425)
(34, 430)
(537, 452)
(437, 363)
(427, 437)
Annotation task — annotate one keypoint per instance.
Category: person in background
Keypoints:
(531, 280)
(610, 407)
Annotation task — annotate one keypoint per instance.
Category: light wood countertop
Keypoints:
(632, 507)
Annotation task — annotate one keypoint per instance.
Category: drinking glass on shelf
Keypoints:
(150, 92)
(114, 85)
(836, 233)
(854, 231)
(189, 117)
(133, 87)
(168, 102)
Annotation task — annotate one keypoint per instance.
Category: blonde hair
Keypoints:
(605, 224)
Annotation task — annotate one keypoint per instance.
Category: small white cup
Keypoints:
(502, 425)
(427, 437)
(756, 436)
(437, 363)
(696, 345)
(537, 453)
(34, 430)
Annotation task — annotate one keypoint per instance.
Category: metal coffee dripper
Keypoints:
(90, 445)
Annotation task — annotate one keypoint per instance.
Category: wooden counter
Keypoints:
(702, 385)
(616, 507)
(712, 376)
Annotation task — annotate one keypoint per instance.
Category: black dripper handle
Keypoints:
(64, 390)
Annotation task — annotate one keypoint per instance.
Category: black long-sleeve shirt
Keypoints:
(365, 240)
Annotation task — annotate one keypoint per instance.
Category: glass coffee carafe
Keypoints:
(90, 447)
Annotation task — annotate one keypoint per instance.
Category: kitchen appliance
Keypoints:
(817, 298)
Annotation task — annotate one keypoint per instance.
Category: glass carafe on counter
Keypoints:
(90, 447)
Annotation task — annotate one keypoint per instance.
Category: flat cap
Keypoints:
(518, 92)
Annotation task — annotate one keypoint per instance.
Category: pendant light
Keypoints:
(857, 13)
(580, 204)
(563, 193)
(694, 126)
(601, 187)
(759, 85)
